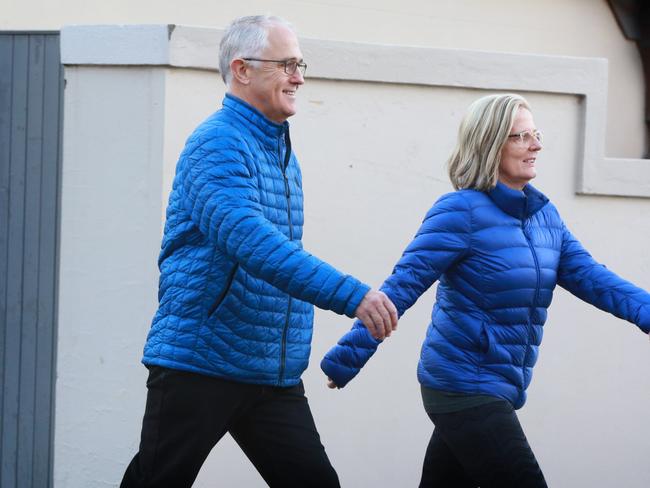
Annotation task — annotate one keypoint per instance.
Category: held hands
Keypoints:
(378, 314)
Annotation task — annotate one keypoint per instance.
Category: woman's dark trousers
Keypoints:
(481, 446)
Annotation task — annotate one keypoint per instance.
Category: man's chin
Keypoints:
(289, 113)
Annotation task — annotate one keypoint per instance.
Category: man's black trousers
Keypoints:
(186, 415)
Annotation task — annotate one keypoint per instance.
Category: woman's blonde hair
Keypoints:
(474, 163)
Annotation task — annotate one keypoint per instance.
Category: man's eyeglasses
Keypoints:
(527, 136)
(290, 65)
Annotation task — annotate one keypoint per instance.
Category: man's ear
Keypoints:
(239, 70)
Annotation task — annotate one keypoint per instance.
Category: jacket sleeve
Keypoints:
(443, 239)
(592, 282)
(223, 199)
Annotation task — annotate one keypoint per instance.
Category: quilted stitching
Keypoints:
(498, 257)
(231, 258)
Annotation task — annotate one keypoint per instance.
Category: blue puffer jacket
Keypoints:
(498, 256)
(236, 287)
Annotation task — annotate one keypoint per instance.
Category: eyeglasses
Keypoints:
(527, 136)
(290, 65)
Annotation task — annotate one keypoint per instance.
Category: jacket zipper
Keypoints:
(224, 292)
(287, 193)
(534, 305)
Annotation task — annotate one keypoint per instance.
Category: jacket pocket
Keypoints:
(222, 296)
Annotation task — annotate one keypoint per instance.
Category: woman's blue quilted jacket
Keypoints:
(236, 287)
(497, 256)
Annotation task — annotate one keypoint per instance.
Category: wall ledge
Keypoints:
(197, 48)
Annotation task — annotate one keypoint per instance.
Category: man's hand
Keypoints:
(331, 384)
(378, 314)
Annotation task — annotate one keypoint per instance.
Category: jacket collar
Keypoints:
(519, 204)
(255, 117)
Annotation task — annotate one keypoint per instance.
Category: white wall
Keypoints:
(110, 230)
(558, 27)
(373, 156)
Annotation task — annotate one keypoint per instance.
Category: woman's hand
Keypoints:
(331, 384)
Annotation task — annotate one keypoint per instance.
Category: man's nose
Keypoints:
(297, 77)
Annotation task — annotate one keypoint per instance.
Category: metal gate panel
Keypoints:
(31, 87)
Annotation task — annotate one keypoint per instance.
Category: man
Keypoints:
(232, 333)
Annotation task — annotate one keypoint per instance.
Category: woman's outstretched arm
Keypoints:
(443, 239)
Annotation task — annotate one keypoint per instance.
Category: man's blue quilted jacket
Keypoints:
(236, 287)
(497, 256)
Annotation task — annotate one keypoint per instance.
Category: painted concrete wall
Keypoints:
(558, 27)
(110, 230)
(373, 149)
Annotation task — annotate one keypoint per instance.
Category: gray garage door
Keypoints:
(31, 93)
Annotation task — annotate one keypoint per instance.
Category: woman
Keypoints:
(498, 247)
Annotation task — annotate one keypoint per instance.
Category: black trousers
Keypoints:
(481, 446)
(187, 414)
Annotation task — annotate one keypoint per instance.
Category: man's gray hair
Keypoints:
(245, 37)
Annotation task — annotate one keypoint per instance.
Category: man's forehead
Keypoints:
(283, 42)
